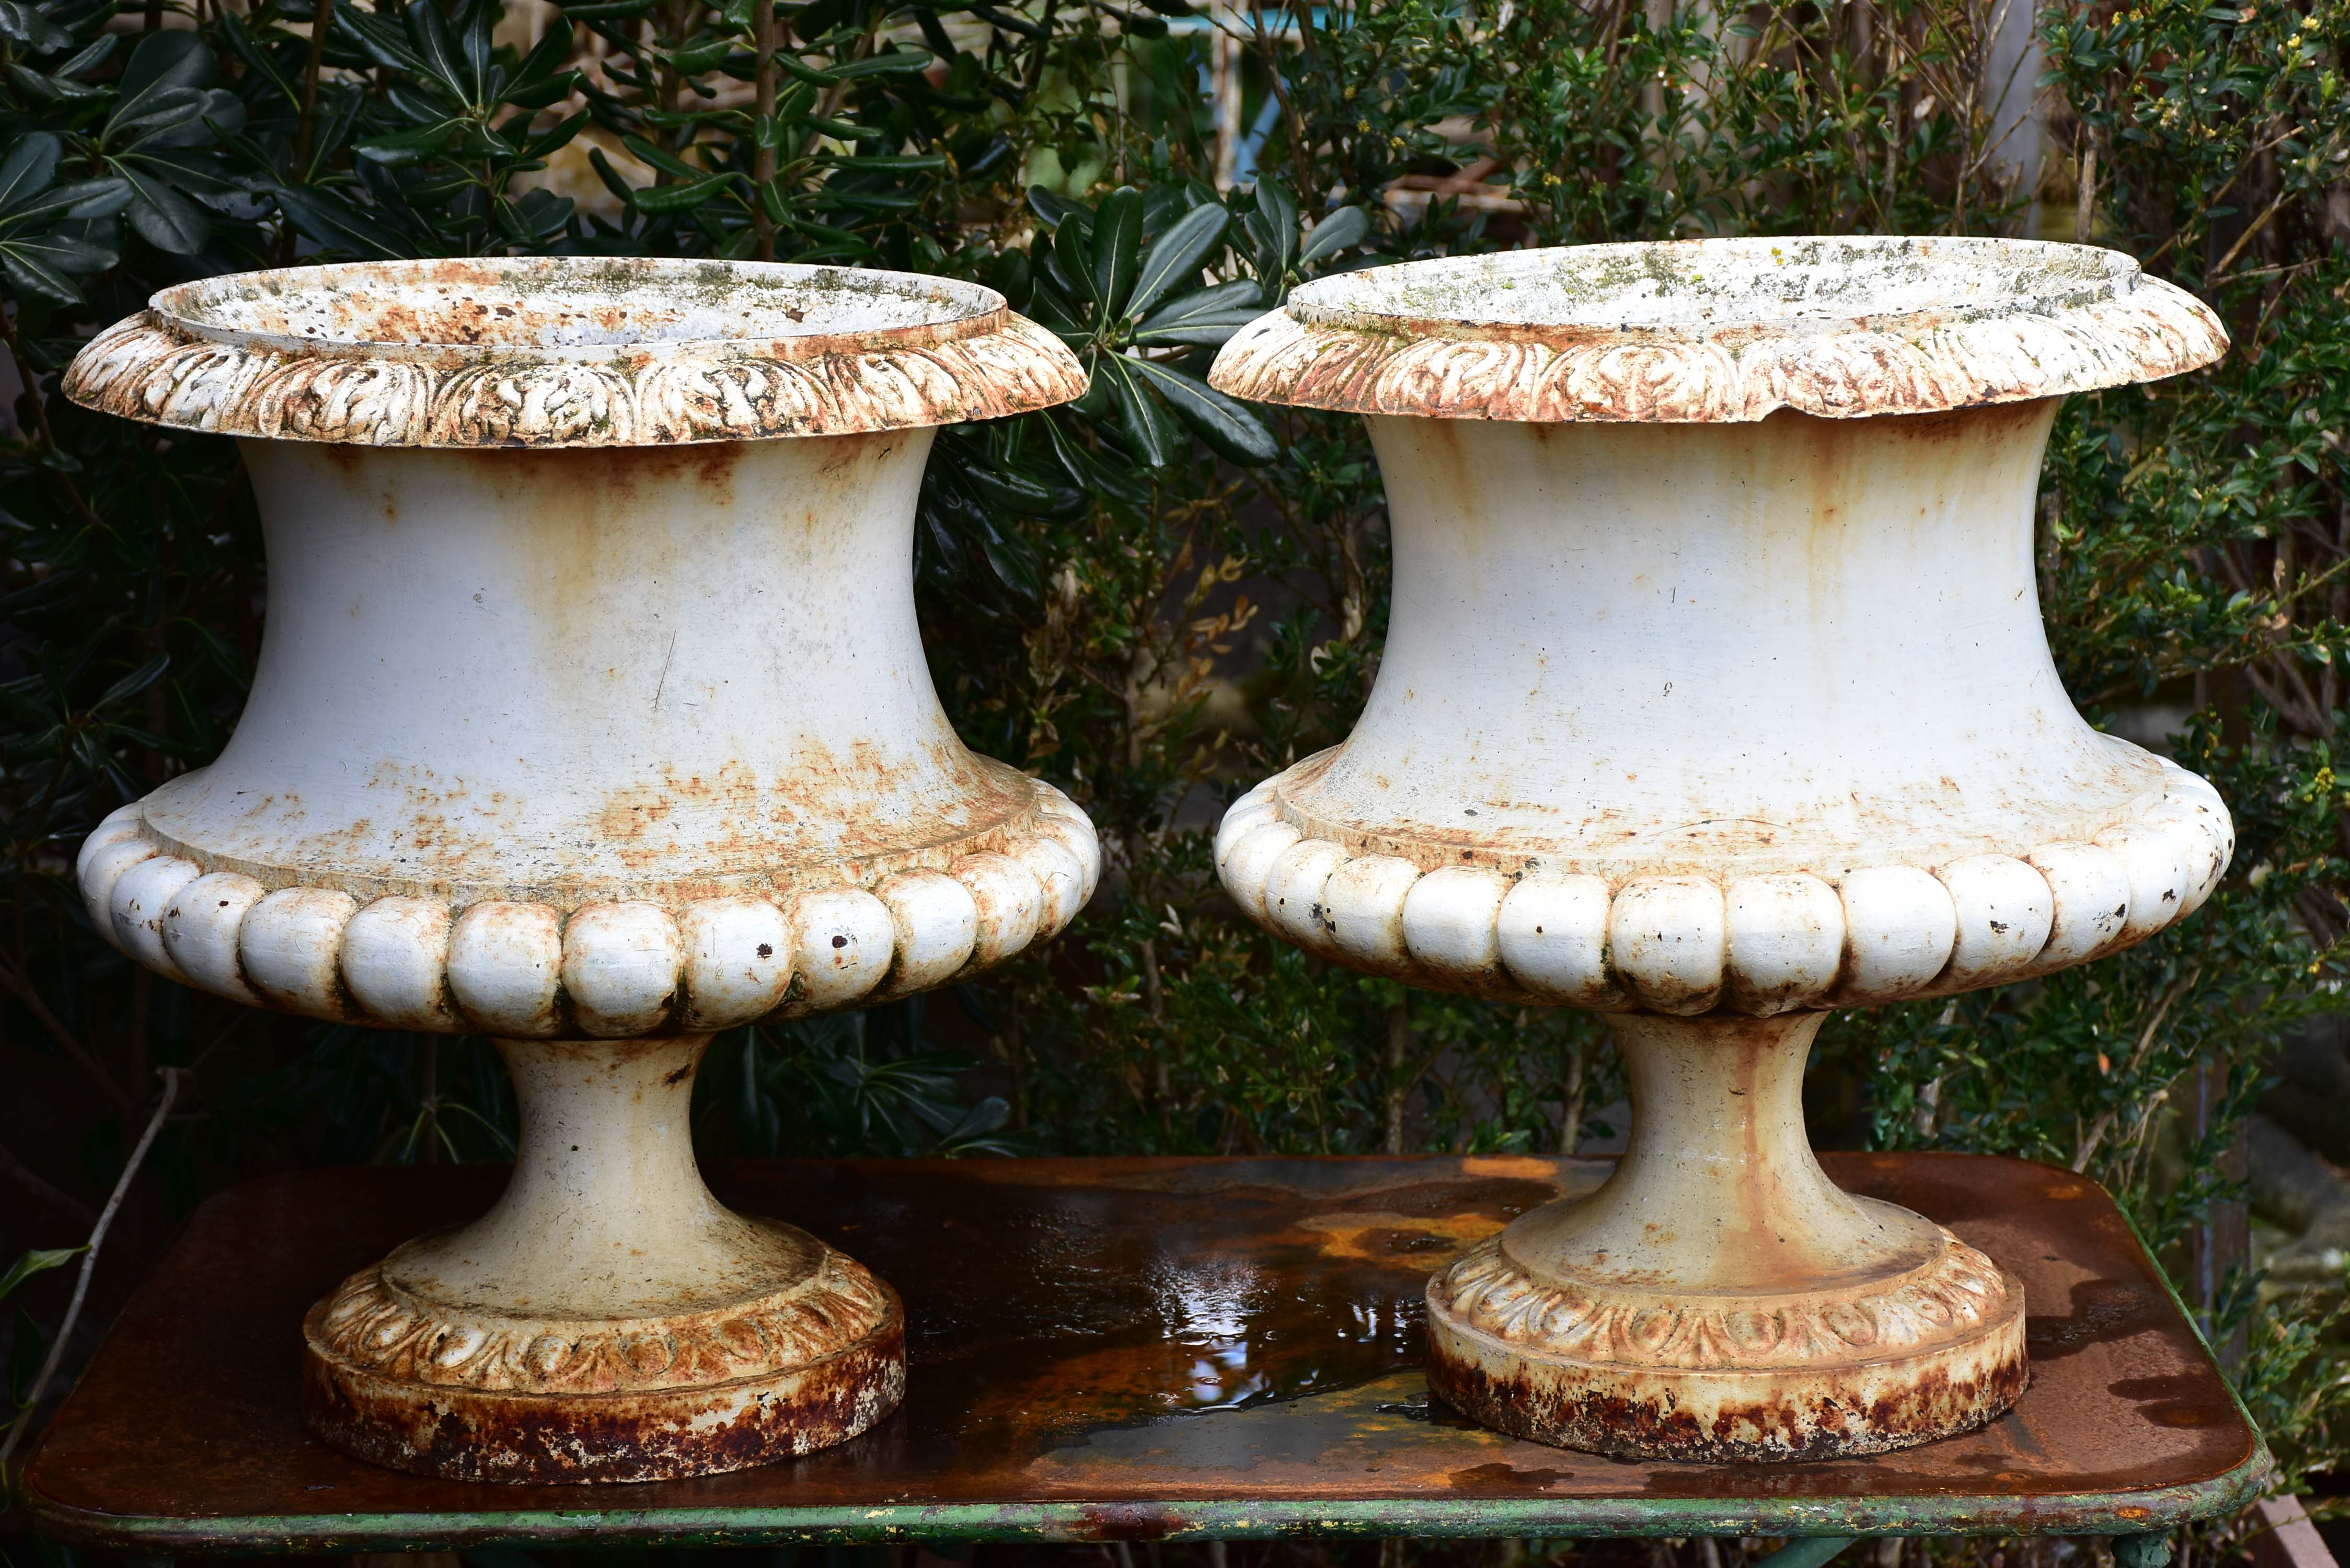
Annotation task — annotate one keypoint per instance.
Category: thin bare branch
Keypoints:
(2251, 232)
(24, 1421)
(2105, 1122)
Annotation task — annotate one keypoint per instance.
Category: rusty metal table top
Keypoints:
(1135, 1349)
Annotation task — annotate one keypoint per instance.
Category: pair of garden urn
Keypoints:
(593, 716)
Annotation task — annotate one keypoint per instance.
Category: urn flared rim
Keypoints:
(570, 351)
(1699, 331)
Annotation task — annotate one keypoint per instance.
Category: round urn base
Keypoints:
(608, 1319)
(399, 1379)
(1918, 1353)
(1719, 1298)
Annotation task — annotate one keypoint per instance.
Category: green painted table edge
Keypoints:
(2087, 1514)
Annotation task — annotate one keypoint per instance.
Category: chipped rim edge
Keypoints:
(610, 969)
(1316, 353)
(165, 369)
(1756, 946)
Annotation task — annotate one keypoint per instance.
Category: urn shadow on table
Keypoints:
(591, 715)
(1715, 696)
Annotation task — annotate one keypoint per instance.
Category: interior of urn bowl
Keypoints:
(1713, 286)
(579, 306)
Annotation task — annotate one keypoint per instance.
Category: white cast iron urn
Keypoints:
(592, 716)
(1716, 696)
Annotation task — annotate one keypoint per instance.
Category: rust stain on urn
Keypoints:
(1714, 696)
(1788, 1424)
(570, 352)
(665, 1428)
(591, 720)
(1843, 329)
(654, 1335)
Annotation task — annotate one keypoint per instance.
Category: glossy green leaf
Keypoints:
(883, 163)
(1009, 22)
(1345, 227)
(555, 136)
(39, 1262)
(661, 159)
(842, 131)
(77, 203)
(1090, 473)
(1052, 208)
(165, 60)
(1153, 436)
(1176, 257)
(27, 168)
(1117, 258)
(95, 54)
(48, 264)
(156, 110)
(30, 25)
(411, 146)
(610, 177)
(1226, 424)
(334, 224)
(1009, 275)
(702, 58)
(28, 271)
(382, 37)
(1205, 318)
(893, 62)
(161, 214)
(661, 201)
(545, 93)
(791, 65)
(1071, 263)
(254, 58)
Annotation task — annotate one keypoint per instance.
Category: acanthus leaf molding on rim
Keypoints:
(1629, 332)
(542, 352)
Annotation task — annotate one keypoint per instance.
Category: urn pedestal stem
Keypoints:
(1720, 1296)
(609, 1316)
